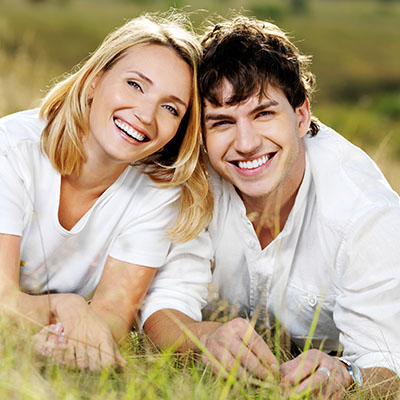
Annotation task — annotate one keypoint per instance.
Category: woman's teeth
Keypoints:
(129, 130)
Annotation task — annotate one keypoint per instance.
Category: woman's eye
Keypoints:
(135, 85)
(171, 109)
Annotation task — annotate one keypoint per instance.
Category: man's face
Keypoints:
(256, 145)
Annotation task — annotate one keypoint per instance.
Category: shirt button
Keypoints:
(312, 300)
(252, 243)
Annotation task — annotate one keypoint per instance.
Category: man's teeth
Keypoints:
(129, 130)
(255, 163)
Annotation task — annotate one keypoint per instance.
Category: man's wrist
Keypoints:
(353, 371)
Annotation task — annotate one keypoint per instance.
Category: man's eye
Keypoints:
(265, 113)
(135, 85)
(220, 123)
(172, 110)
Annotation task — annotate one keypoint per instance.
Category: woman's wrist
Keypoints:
(65, 304)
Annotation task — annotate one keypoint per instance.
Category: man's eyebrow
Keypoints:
(264, 105)
(148, 80)
(216, 117)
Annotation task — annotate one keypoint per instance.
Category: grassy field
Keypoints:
(355, 45)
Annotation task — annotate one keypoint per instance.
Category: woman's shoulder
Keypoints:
(20, 127)
(138, 184)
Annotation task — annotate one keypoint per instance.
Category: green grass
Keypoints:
(150, 374)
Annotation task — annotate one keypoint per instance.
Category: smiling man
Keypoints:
(305, 226)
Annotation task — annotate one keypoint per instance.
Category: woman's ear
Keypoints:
(303, 114)
(93, 85)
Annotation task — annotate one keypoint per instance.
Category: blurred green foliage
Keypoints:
(355, 46)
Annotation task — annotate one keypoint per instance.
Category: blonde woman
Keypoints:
(94, 186)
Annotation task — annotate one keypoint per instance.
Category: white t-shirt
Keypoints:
(128, 222)
(339, 249)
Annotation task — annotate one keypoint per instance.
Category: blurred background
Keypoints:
(355, 46)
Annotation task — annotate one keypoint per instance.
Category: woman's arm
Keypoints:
(120, 293)
(35, 311)
(86, 337)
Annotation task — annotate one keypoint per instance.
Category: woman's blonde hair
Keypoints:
(66, 111)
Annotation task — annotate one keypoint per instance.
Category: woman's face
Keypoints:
(138, 104)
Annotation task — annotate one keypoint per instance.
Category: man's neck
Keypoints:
(269, 214)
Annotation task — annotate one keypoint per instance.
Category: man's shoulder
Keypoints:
(346, 180)
(345, 171)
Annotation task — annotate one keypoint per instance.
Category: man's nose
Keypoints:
(247, 139)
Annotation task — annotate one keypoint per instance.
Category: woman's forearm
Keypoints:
(118, 326)
(34, 311)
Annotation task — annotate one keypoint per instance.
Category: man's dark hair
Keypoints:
(252, 54)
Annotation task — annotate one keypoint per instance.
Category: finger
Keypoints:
(82, 355)
(69, 354)
(44, 341)
(295, 371)
(247, 359)
(259, 348)
(314, 382)
(107, 357)
(94, 358)
(225, 364)
(333, 390)
(56, 352)
(118, 357)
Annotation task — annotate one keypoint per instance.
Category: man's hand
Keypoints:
(237, 345)
(317, 372)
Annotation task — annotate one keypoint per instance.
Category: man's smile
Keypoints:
(254, 162)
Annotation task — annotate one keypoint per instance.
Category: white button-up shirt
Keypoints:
(338, 255)
(337, 258)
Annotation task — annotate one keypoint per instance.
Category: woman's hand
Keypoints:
(80, 338)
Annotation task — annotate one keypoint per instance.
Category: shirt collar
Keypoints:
(299, 207)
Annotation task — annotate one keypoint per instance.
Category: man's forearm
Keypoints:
(168, 327)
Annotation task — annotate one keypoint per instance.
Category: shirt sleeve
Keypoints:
(144, 240)
(13, 194)
(181, 283)
(367, 312)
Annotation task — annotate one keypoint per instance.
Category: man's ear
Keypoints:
(303, 114)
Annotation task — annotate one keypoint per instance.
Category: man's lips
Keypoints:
(253, 163)
(130, 131)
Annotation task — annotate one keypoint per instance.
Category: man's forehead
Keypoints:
(270, 94)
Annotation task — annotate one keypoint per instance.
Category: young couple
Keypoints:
(105, 194)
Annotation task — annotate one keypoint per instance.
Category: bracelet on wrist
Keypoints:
(354, 371)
